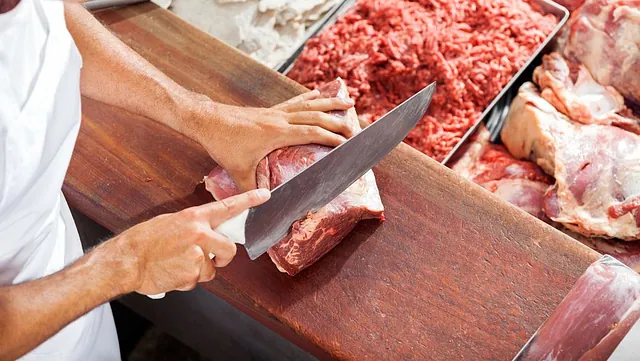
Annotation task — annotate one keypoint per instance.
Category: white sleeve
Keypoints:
(9, 114)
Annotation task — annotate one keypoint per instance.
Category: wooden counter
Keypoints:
(453, 273)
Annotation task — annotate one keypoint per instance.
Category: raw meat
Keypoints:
(596, 167)
(388, 50)
(592, 319)
(604, 35)
(570, 4)
(267, 30)
(571, 89)
(316, 234)
(519, 182)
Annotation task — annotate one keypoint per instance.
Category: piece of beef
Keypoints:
(571, 89)
(604, 35)
(313, 236)
(596, 167)
(592, 319)
(519, 182)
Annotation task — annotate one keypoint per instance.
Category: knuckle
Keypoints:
(190, 213)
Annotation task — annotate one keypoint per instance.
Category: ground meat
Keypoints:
(388, 50)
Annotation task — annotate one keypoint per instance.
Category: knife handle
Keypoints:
(232, 228)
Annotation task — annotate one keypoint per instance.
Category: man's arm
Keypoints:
(114, 74)
(32, 312)
(168, 252)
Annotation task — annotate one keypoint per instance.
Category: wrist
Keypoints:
(195, 116)
(120, 264)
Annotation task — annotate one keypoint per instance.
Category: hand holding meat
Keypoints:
(171, 251)
(238, 138)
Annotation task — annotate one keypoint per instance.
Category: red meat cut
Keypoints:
(313, 236)
(518, 182)
(596, 167)
(592, 319)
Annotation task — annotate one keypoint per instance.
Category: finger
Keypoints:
(207, 271)
(197, 255)
(218, 212)
(329, 122)
(307, 134)
(302, 97)
(222, 249)
(320, 105)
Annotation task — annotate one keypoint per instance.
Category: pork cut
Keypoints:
(519, 182)
(596, 167)
(316, 234)
(571, 89)
(593, 318)
(604, 35)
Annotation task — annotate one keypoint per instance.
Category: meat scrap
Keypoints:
(388, 50)
(571, 89)
(604, 35)
(519, 182)
(592, 319)
(596, 167)
(312, 237)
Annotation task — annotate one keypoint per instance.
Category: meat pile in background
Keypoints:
(577, 122)
(519, 182)
(596, 167)
(267, 30)
(604, 35)
(593, 318)
(388, 50)
(313, 236)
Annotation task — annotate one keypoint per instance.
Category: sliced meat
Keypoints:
(571, 89)
(592, 319)
(519, 182)
(596, 167)
(604, 35)
(313, 236)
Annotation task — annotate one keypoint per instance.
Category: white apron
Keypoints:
(39, 122)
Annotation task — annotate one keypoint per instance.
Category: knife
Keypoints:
(261, 227)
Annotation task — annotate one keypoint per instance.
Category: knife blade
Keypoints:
(261, 227)
(324, 180)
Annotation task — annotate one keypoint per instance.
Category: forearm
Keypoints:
(34, 311)
(115, 74)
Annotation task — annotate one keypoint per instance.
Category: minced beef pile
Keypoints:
(386, 51)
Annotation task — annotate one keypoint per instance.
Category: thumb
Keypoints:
(245, 180)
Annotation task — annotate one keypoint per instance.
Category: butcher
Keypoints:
(53, 298)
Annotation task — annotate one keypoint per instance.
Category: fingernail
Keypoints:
(263, 193)
(348, 101)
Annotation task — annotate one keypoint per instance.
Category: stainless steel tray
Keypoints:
(546, 6)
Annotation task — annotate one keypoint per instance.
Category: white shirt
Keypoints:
(39, 123)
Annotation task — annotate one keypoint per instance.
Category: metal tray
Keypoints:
(546, 6)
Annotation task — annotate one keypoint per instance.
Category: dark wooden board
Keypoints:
(453, 273)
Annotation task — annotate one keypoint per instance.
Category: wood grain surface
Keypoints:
(453, 273)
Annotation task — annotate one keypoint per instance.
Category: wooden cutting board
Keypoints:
(453, 273)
